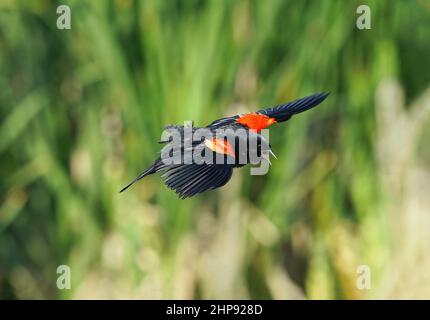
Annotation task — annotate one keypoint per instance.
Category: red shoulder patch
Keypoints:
(255, 121)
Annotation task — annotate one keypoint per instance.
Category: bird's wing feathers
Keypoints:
(280, 113)
(190, 179)
(284, 112)
(223, 121)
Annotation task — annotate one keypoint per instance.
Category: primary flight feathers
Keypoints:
(281, 112)
(190, 179)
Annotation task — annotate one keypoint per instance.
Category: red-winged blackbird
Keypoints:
(189, 178)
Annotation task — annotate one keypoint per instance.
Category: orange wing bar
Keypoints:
(220, 146)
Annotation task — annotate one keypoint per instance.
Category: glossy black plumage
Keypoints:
(189, 179)
(281, 112)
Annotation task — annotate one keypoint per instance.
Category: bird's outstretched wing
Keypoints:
(279, 113)
(189, 179)
(284, 112)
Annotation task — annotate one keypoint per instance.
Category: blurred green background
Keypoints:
(81, 112)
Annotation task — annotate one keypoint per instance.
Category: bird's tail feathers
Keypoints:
(152, 169)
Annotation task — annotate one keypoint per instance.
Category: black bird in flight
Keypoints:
(187, 178)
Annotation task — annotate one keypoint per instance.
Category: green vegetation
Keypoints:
(81, 112)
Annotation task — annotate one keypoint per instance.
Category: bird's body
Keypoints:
(201, 159)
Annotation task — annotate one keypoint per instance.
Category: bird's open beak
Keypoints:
(266, 156)
(274, 156)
